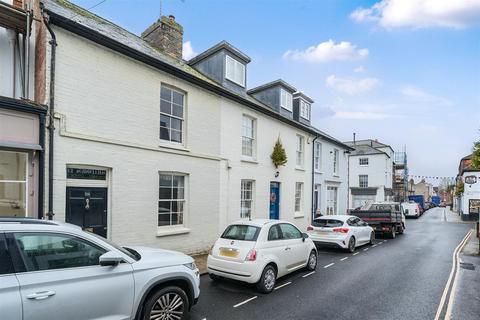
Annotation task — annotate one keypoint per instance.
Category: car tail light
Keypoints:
(309, 228)
(416, 210)
(252, 255)
(341, 230)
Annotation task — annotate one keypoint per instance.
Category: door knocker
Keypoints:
(87, 203)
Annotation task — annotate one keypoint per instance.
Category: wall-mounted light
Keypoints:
(277, 174)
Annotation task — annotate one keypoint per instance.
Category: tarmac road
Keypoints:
(401, 278)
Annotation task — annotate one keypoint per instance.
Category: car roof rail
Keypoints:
(26, 220)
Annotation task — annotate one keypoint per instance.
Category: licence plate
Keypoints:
(322, 233)
(231, 253)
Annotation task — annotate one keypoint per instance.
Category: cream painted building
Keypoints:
(154, 150)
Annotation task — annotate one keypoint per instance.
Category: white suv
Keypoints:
(56, 271)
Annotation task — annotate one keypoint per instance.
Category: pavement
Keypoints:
(402, 278)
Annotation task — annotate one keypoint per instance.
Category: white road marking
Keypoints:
(455, 267)
(374, 246)
(308, 274)
(329, 265)
(365, 249)
(356, 253)
(282, 285)
(243, 302)
(343, 259)
(380, 243)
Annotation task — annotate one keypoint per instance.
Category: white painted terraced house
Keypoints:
(152, 150)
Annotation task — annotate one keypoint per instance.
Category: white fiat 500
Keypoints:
(260, 251)
(340, 231)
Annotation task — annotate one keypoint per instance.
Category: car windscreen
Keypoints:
(327, 223)
(241, 232)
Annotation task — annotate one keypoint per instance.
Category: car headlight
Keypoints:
(191, 266)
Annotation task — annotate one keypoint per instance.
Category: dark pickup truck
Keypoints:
(384, 218)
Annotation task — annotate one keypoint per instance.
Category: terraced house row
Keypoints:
(129, 140)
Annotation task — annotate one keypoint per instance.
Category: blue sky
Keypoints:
(404, 72)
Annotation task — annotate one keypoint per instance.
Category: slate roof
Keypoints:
(87, 24)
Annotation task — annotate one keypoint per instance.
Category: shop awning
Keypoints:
(17, 145)
(12, 18)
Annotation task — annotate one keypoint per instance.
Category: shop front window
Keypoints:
(13, 184)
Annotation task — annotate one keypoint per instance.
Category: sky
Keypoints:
(405, 72)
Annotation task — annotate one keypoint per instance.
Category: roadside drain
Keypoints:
(467, 266)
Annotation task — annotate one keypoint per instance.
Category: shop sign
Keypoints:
(86, 174)
(470, 179)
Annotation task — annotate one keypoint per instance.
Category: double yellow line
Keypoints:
(450, 287)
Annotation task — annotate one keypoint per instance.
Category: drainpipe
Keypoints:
(41, 167)
(27, 53)
(51, 127)
(14, 60)
(313, 176)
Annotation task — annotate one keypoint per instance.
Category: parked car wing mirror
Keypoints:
(304, 236)
(110, 258)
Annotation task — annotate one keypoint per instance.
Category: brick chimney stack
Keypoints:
(18, 4)
(165, 35)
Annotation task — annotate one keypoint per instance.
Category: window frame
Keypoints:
(318, 156)
(235, 63)
(19, 259)
(253, 139)
(292, 226)
(288, 98)
(251, 200)
(363, 180)
(336, 160)
(307, 106)
(298, 197)
(24, 182)
(365, 163)
(182, 119)
(183, 201)
(333, 202)
(300, 152)
(279, 231)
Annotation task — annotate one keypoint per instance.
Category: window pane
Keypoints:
(54, 251)
(13, 166)
(165, 107)
(164, 134)
(177, 98)
(177, 111)
(178, 181)
(177, 218)
(164, 219)
(164, 206)
(165, 193)
(176, 124)
(290, 232)
(176, 136)
(166, 180)
(164, 121)
(12, 199)
(166, 93)
(178, 193)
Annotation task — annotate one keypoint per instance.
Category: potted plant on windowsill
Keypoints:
(278, 156)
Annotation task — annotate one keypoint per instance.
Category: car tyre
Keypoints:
(351, 245)
(312, 261)
(401, 230)
(214, 277)
(267, 279)
(372, 238)
(167, 302)
(393, 233)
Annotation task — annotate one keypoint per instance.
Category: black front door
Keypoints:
(87, 208)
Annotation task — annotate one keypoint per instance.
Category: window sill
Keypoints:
(298, 215)
(249, 160)
(299, 168)
(319, 172)
(336, 176)
(164, 232)
(173, 146)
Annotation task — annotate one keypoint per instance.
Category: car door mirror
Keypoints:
(111, 258)
(304, 236)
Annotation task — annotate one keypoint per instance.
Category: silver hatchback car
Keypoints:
(56, 271)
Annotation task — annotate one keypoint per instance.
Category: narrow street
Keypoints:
(401, 278)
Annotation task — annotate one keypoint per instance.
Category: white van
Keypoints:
(411, 209)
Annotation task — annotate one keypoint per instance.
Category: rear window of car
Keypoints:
(241, 232)
(327, 223)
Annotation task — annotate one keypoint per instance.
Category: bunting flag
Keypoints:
(430, 177)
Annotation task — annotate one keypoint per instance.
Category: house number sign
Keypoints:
(470, 179)
(88, 174)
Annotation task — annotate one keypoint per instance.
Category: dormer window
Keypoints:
(305, 110)
(285, 99)
(235, 71)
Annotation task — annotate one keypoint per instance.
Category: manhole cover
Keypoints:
(468, 266)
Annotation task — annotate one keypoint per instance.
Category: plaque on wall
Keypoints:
(86, 174)
(470, 179)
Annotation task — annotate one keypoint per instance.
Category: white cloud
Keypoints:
(361, 115)
(188, 52)
(390, 14)
(419, 95)
(351, 86)
(327, 51)
(359, 69)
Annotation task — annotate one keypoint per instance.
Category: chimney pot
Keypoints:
(171, 18)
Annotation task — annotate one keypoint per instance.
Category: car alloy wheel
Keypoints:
(169, 307)
(267, 280)
(351, 244)
(312, 261)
